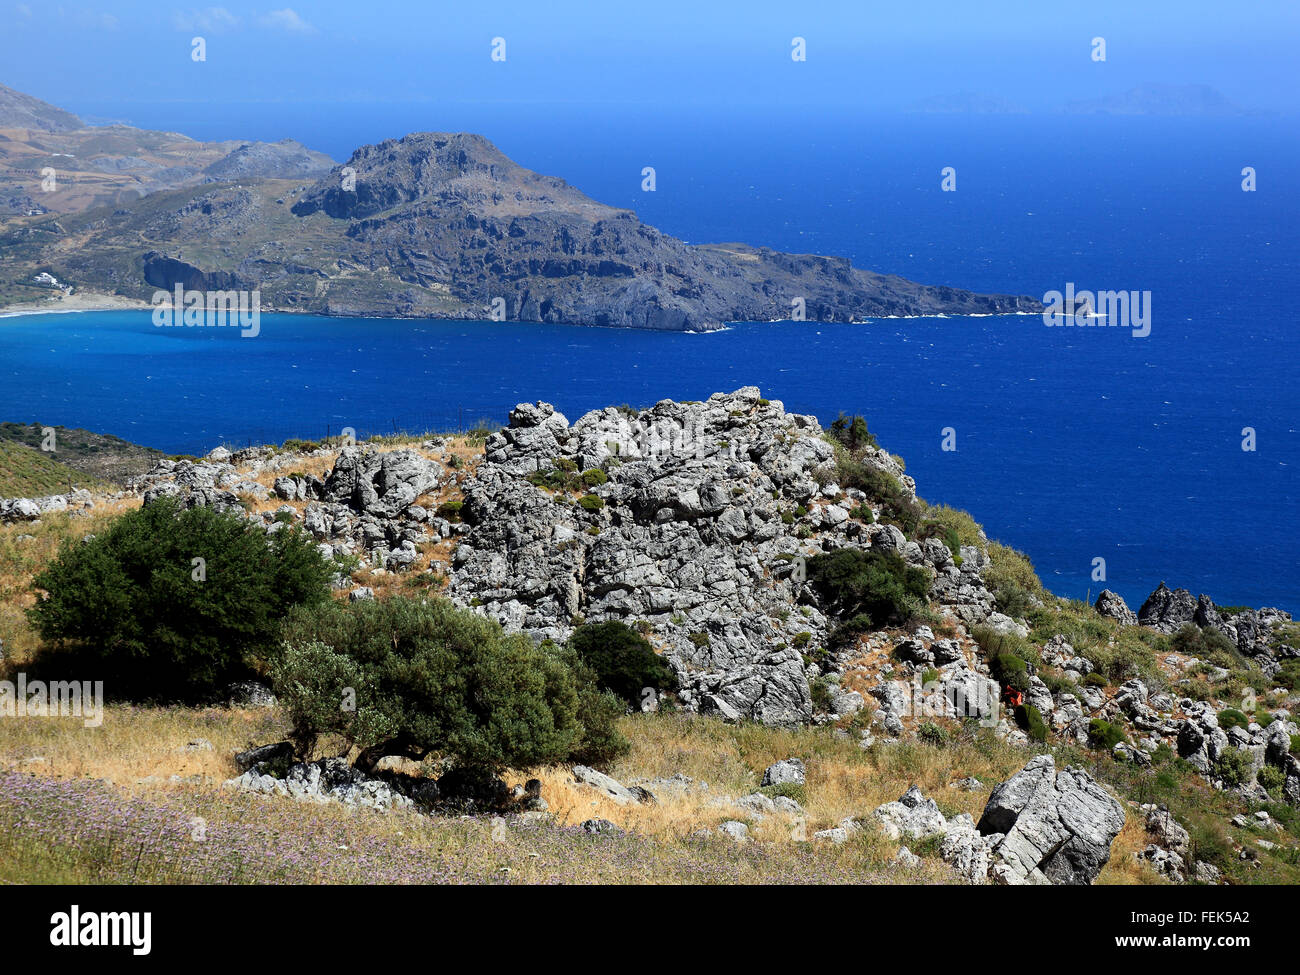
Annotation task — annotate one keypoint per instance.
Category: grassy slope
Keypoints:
(97, 455)
(28, 473)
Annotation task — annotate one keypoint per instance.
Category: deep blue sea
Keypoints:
(1072, 444)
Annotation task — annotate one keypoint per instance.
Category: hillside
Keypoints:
(27, 472)
(95, 456)
(861, 682)
(439, 225)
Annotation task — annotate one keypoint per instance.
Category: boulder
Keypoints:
(1051, 827)
(912, 817)
(787, 771)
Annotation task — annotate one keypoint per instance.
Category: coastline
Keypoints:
(91, 302)
(72, 304)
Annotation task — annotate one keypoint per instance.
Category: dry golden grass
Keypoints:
(135, 743)
(142, 748)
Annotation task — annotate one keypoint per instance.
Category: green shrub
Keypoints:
(622, 660)
(851, 432)
(1289, 676)
(134, 605)
(874, 582)
(1230, 718)
(896, 506)
(566, 464)
(594, 477)
(700, 638)
(1233, 767)
(1008, 656)
(822, 699)
(591, 502)
(1271, 778)
(932, 734)
(848, 630)
(1104, 735)
(1193, 641)
(863, 513)
(966, 529)
(1094, 679)
(801, 639)
(1031, 720)
(450, 510)
(417, 677)
(1011, 578)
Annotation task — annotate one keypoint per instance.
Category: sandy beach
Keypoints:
(67, 304)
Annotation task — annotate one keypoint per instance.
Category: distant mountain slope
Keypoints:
(19, 111)
(444, 225)
(111, 164)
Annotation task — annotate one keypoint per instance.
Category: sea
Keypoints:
(1113, 460)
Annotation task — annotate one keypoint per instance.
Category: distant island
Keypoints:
(434, 225)
(1150, 99)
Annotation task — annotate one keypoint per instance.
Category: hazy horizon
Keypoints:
(675, 55)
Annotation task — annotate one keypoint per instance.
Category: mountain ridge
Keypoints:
(445, 225)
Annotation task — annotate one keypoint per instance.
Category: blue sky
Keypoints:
(861, 55)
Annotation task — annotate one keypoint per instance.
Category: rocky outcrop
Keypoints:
(693, 521)
(1167, 609)
(1049, 826)
(1112, 605)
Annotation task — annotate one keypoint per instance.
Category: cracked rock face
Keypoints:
(692, 535)
(1050, 826)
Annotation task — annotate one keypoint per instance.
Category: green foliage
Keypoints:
(875, 583)
(822, 698)
(594, 477)
(1104, 735)
(700, 638)
(1289, 676)
(933, 528)
(1230, 718)
(622, 660)
(932, 734)
(1195, 641)
(960, 522)
(133, 604)
(591, 502)
(791, 790)
(428, 678)
(1094, 679)
(1008, 656)
(1233, 766)
(1012, 580)
(1031, 720)
(1271, 778)
(896, 506)
(851, 432)
(450, 510)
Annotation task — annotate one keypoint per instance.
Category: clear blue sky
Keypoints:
(860, 54)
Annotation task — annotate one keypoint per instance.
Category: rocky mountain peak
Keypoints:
(443, 168)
